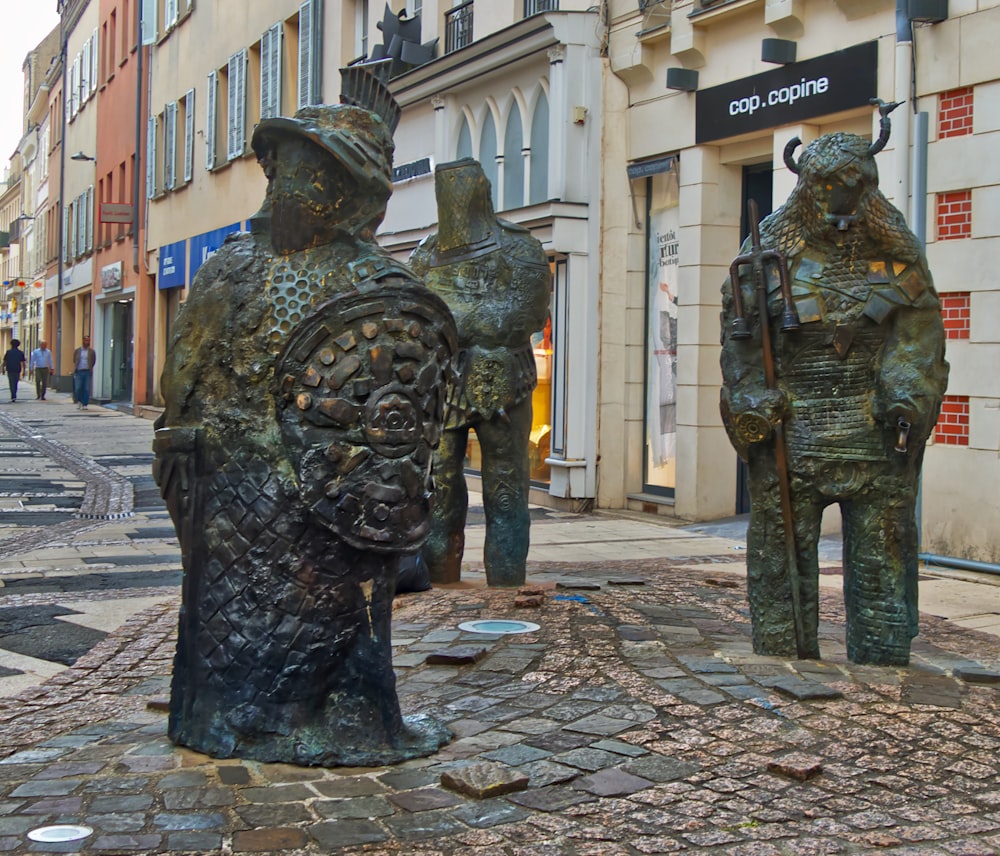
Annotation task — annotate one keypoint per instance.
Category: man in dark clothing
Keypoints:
(13, 366)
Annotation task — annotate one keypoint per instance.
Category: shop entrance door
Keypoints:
(118, 364)
(757, 185)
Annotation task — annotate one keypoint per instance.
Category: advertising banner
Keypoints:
(172, 260)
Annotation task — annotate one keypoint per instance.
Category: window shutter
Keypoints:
(149, 9)
(93, 62)
(189, 135)
(151, 157)
(213, 86)
(81, 225)
(237, 104)
(169, 13)
(169, 145)
(270, 72)
(75, 84)
(85, 72)
(89, 219)
(309, 53)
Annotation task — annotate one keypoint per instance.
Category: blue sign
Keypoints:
(205, 245)
(173, 259)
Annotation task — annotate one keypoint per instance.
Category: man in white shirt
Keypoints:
(40, 367)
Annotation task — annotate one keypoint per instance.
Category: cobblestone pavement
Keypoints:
(635, 720)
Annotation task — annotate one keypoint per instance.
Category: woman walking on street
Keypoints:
(13, 366)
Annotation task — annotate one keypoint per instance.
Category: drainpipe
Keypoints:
(61, 219)
(903, 92)
(960, 564)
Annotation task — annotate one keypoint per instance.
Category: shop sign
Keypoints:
(793, 93)
(205, 245)
(646, 168)
(111, 277)
(411, 170)
(172, 261)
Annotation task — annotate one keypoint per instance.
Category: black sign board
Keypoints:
(793, 93)
(413, 169)
(646, 168)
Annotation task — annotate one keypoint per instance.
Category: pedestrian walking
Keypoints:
(40, 367)
(84, 359)
(13, 367)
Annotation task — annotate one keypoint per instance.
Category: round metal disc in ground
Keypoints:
(496, 626)
(60, 832)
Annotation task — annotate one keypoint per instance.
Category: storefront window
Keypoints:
(661, 331)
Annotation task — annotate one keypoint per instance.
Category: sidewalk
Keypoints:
(637, 713)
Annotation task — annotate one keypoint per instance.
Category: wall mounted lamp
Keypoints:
(927, 11)
(682, 79)
(80, 156)
(778, 51)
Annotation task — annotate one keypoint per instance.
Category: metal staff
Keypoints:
(758, 258)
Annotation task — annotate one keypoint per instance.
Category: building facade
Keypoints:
(716, 88)
(69, 284)
(123, 289)
(519, 87)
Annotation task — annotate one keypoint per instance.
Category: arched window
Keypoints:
(539, 190)
(513, 161)
(488, 153)
(464, 141)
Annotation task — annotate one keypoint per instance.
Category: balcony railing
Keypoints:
(458, 27)
(536, 7)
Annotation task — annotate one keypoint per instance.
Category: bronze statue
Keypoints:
(832, 399)
(302, 404)
(495, 278)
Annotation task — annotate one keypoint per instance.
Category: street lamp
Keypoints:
(80, 156)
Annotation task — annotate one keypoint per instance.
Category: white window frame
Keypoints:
(74, 85)
(85, 72)
(236, 118)
(270, 71)
(88, 219)
(361, 34)
(171, 11)
(151, 124)
(211, 99)
(169, 145)
(94, 62)
(310, 53)
(188, 135)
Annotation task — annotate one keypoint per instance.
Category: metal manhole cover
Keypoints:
(60, 832)
(497, 626)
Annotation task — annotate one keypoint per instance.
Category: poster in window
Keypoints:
(662, 301)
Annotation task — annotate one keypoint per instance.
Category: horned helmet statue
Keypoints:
(838, 169)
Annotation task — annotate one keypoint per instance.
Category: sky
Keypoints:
(25, 24)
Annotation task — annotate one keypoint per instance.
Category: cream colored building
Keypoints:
(69, 302)
(522, 93)
(216, 68)
(706, 125)
(11, 310)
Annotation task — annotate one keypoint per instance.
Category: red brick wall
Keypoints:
(955, 311)
(954, 215)
(953, 423)
(955, 112)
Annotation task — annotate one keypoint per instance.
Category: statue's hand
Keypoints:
(751, 419)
